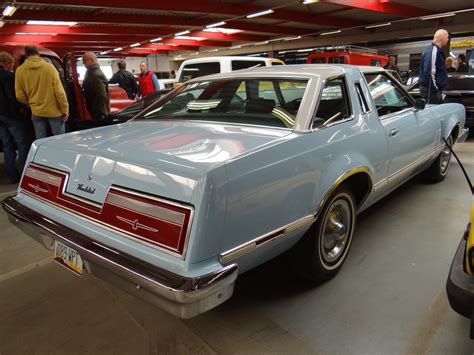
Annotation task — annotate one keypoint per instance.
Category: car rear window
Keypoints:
(191, 71)
(264, 102)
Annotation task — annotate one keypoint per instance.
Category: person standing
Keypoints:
(125, 80)
(96, 88)
(463, 67)
(147, 81)
(433, 73)
(37, 85)
(449, 65)
(12, 125)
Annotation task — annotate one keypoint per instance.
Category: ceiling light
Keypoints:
(330, 33)
(134, 45)
(305, 50)
(432, 17)
(1, 23)
(102, 53)
(227, 31)
(118, 49)
(156, 39)
(379, 25)
(214, 50)
(217, 24)
(307, 2)
(291, 38)
(190, 38)
(51, 23)
(261, 13)
(235, 47)
(260, 43)
(182, 33)
(9, 10)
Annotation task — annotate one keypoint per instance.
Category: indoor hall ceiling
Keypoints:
(142, 27)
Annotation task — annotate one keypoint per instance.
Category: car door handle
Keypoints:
(393, 132)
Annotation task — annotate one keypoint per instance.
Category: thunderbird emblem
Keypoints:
(135, 224)
(84, 188)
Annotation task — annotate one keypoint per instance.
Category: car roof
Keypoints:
(228, 58)
(323, 70)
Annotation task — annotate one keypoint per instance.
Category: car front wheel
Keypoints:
(322, 251)
(439, 169)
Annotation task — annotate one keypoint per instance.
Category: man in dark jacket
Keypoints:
(11, 121)
(96, 88)
(463, 67)
(125, 80)
(433, 74)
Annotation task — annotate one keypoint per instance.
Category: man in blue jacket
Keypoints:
(433, 74)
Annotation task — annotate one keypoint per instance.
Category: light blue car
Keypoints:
(227, 172)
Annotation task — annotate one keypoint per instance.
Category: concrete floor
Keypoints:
(389, 298)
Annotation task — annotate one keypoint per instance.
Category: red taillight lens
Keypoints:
(149, 219)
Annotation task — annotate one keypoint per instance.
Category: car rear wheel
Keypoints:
(439, 169)
(321, 253)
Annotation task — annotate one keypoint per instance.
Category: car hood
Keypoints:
(165, 158)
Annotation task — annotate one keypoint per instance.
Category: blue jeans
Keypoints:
(14, 128)
(41, 125)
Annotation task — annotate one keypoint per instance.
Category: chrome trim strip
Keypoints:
(182, 296)
(419, 161)
(247, 247)
(145, 208)
(42, 176)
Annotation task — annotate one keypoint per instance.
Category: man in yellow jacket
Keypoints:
(37, 84)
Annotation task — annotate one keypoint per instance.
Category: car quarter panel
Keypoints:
(287, 182)
(452, 117)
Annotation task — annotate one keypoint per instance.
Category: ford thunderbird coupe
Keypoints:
(229, 171)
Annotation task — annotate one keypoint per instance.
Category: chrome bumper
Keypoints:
(463, 135)
(181, 296)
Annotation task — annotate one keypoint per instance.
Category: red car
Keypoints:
(348, 55)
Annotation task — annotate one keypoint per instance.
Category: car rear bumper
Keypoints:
(185, 297)
(460, 285)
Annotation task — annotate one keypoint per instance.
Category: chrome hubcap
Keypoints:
(336, 230)
(445, 159)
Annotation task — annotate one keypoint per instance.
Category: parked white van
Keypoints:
(193, 68)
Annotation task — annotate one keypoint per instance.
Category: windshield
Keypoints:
(265, 102)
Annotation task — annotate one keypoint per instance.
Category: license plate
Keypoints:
(68, 257)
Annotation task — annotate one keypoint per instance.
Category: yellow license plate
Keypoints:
(68, 257)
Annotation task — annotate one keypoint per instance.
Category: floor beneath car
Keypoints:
(389, 298)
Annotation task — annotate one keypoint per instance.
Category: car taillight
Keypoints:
(149, 219)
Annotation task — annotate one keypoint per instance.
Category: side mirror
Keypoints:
(420, 104)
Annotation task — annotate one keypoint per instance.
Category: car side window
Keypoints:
(387, 96)
(334, 104)
(196, 70)
(244, 64)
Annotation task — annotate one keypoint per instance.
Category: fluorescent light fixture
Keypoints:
(260, 13)
(34, 34)
(260, 43)
(307, 2)
(227, 31)
(191, 38)
(135, 45)
(379, 25)
(330, 33)
(9, 10)
(156, 39)
(182, 33)
(217, 24)
(102, 53)
(51, 23)
(235, 47)
(214, 50)
(452, 54)
(1, 23)
(118, 49)
(305, 50)
(432, 17)
(291, 38)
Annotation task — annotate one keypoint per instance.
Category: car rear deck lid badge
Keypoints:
(85, 188)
